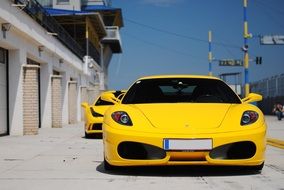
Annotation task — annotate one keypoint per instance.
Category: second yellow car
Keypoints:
(94, 114)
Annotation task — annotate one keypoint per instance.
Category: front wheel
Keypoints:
(257, 167)
(87, 136)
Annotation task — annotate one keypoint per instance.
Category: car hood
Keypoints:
(180, 116)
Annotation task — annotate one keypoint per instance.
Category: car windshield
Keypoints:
(101, 102)
(175, 90)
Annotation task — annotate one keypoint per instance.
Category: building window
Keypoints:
(63, 2)
(45, 3)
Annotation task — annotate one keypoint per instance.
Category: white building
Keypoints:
(45, 73)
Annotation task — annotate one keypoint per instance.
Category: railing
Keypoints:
(270, 87)
(272, 90)
(94, 53)
(39, 14)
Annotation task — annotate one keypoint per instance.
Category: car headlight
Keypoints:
(249, 117)
(95, 114)
(122, 118)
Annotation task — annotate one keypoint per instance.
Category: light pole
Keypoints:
(245, 48)
(210, 52)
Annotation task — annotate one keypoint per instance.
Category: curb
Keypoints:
(275, 142)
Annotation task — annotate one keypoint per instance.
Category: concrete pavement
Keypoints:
(54, 158)
(275, 127)
(61, 158)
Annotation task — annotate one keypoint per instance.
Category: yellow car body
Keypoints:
(94, 114)
(173, 129)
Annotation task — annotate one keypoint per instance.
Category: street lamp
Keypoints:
(5, 27)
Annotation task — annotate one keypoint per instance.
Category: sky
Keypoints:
(171, 37)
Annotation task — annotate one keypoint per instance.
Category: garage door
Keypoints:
(3, 92)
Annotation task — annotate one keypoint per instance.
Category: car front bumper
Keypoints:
(221, 153)
(94, 125)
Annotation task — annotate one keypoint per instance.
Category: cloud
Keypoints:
(161, 3)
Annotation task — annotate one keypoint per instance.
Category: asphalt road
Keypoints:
(64, 159)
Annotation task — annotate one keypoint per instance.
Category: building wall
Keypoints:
(84, 98)
(107, 55)
(3, 92)
(72, 97)
(22, 41)
(31, 99)
(45, 89)
(56, 101)
(65, 79)
(16, 58)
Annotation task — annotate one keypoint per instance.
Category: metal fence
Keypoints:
(272, 91)
(270, 87)
(39, 14)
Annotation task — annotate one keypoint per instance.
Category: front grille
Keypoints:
(234, 151)
(97, 126)
(140, 151)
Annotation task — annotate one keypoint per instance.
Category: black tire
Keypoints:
(257, 167)
(87, 136)
(109, 167)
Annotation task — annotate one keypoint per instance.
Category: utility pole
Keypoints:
(210, 52)
(245, 48)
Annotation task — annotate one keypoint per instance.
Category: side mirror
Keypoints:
(109, 97)
(84, 105)
(252, 97)
(121, 96)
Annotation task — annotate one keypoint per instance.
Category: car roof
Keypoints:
(178, 76)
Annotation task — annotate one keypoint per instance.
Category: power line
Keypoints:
(228, 50)
(167, 32)
(268, 5)
(181, 35)
(163, 47)
(263, 6)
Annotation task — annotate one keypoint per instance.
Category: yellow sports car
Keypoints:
(94, 114)
(183, 120)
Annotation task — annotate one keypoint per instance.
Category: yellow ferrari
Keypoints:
(94, 114)
(183, 120)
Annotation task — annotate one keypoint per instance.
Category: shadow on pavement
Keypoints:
(174, 171)
(94, 136)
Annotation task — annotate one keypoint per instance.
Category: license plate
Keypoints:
(188, 144)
